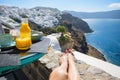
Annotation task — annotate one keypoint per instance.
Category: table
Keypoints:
(26, 57)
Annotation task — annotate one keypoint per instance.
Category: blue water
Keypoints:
(106, 38)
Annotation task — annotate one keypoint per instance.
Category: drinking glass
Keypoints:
(5, 40)
(14, 33)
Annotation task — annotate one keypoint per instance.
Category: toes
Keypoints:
(71, 57)
(63, 58)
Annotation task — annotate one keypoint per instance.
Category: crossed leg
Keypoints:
(66, 71)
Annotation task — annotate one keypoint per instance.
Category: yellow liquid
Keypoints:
(25, 30)
(24, 41)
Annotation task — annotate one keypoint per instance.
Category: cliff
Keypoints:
(39, 18)
(79, 39)
(77, 23)
(95, 53)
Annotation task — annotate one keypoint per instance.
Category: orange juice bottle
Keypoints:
(24, 41)
(25, 30)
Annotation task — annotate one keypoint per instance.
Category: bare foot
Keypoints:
(71, 59)
(63, 59)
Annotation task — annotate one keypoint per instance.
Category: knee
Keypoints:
(58, 74)
(62, 73)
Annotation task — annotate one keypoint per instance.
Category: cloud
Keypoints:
(114, 5)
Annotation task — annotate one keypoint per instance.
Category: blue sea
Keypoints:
(105, 38)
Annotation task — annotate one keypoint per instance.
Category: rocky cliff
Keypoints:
(77, 36)
(77, 23)
(39, 17)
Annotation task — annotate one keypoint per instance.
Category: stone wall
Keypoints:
(41, 69)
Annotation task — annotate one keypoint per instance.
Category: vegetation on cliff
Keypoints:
(63, 39)
(77, 23)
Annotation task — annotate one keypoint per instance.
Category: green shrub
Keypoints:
(63, 40)
(61, 29)
(48, 30)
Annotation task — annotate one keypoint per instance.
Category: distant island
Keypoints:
(114, 14)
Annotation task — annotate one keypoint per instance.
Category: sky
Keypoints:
(72, 5)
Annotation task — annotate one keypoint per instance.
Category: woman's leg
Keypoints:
(60, 73)
(73, 73)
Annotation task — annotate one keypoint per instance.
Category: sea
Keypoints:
(105, 38)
